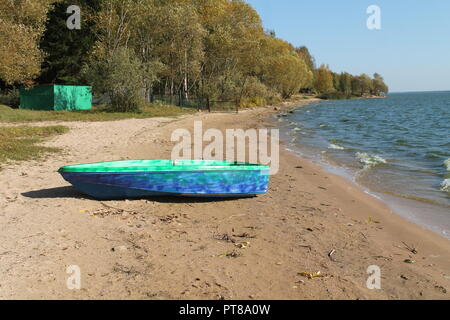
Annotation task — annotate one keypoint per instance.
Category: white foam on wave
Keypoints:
(335, 147)
(447, 164)
(369, 160)
(445, 186)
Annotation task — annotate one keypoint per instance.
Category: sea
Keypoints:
(397, 149)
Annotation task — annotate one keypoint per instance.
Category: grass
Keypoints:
(10, 115)
(22, 142)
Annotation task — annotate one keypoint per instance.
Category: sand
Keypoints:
(170, 248)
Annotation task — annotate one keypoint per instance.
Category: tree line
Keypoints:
(135, 50)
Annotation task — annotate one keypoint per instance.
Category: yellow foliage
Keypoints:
(21, 26)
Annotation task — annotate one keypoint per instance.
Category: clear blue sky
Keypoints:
(411, 51)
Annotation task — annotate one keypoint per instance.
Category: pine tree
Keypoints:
(67, 50)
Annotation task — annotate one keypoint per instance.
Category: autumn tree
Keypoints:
(323, 79)
(356, 86)
(231, 43)
(114, 25)
(282, 68)
(168, 38)
(336, 81)
(366, 84)
(207, 50)
(378, 85)
(303, 52)
(22, 23)
(345, 83)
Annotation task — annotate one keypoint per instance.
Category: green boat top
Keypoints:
(161, 165)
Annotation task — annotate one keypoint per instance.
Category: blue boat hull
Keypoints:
(224, 183)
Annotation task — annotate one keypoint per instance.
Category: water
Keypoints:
(398, 148)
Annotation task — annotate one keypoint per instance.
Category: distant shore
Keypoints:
(258, 248)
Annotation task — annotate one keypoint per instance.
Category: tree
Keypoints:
(304, 53)
(22, 23)
(231, 43)
(281, 68)
(323, 79)
(356, 86)
(210, 50)
(345, 83)
(378, 85)
(120, 76)
(114, 25)
(336, 81)
(67, 50)
(170, 33)
(366, 84)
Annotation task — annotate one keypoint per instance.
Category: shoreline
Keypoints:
(409, 208)
(310, 221)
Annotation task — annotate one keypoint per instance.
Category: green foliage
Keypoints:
(303, 52)
(323, 80)
(378, 85)
(196, 52)
(345, 83)
(121, 77)
(347, 86)
(21, 26)
(10, 98)
(252, 102)
(251, 92)
(67, 50)
(281, 67)
(335, 95)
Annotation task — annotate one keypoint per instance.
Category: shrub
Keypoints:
(256, 94)
(120, 77)
(10, 98)
(335, 95)
(251, 102)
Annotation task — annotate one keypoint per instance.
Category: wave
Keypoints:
(436, 154)
(335, 147)
(445, 186)
(447, 164)
(369, 160)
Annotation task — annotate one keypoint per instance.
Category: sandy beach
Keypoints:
(168, 248)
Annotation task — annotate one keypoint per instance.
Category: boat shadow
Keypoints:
(70, 192)
(55, 193)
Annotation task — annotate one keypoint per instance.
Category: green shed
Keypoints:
(56, 97)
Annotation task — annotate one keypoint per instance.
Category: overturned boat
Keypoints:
(147, 178)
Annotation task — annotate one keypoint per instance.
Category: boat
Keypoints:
(188, 178)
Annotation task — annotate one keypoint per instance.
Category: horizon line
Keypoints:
(418, 91)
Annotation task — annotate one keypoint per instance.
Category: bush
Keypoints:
(273, 97)
(10, 98)
(120, 77)
(251, 102)
(256, 94)
(336, 95)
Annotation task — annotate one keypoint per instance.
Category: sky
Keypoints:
(411, 51)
